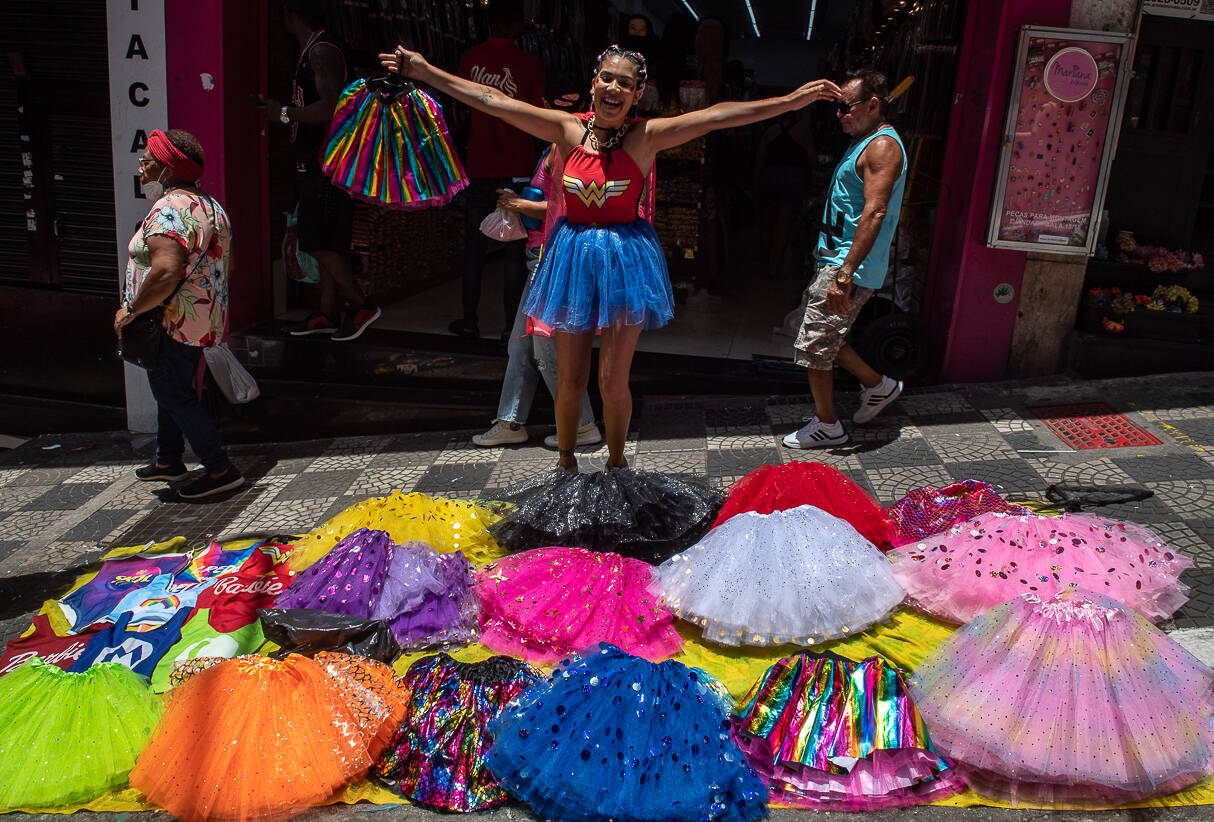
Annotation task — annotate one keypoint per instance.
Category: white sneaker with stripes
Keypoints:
(873, 400)
(816, 434)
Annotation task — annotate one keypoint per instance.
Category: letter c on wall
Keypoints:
(133, 93)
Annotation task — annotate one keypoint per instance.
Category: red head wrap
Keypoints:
(172, 157)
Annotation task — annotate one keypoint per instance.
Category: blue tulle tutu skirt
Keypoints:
(598, 276)
(612, 736)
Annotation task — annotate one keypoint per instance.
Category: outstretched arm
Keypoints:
(544, 123)
(668, 132)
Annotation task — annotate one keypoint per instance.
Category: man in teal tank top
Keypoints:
(853, 255)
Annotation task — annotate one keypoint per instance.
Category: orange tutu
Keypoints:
(253, 738)
(371, 689)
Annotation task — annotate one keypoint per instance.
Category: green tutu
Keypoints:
(66, 739)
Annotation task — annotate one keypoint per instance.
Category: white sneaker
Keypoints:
(816, 434)
(873, 400)
(502, 432)
(588, 434)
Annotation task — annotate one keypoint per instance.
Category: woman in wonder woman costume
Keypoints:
(602, 271)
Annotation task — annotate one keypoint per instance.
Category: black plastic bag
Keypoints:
(1074, 498)
(308, 632)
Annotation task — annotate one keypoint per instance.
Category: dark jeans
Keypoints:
(479, 201)
(179, 414)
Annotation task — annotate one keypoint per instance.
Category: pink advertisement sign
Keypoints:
(1054, 161)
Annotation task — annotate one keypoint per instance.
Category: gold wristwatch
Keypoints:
(843, 278)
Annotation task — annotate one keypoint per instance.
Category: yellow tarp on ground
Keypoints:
(904, 639)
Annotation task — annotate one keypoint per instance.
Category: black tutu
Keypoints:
(640, 514)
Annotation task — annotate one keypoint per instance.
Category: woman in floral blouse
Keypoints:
(181, 253)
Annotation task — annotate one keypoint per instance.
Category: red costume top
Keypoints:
(601, 189)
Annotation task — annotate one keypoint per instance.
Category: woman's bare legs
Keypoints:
(616, 348)
(572, 374)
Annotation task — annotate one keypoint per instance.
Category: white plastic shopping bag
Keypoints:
(503, 226)
(233, 380)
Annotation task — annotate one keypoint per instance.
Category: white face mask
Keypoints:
(154, 190)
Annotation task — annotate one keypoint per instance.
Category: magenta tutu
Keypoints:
(547, 603)
(926, 511)
(1075, 698)
(980, 563)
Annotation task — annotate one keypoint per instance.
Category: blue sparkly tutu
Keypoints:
(597, 276)
(612, 736)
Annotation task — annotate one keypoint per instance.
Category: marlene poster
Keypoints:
(1060, 134)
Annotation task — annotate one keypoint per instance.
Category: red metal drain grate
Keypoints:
(1093, 425)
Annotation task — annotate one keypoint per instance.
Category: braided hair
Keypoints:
(638, 60)
(635, 57)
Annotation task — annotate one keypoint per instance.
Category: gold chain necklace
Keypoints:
(610, 144)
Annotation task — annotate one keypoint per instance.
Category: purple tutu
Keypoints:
(425, 597)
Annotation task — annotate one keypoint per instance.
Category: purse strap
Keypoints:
(201, 255)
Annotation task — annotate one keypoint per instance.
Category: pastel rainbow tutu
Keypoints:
(828, 733)
(611, 736)
(437, 756)
(1075, 698)
(70, 737)
(799, 576)
(388, 145)
(547, 603)
(780, 487)
(446, 525)
(978, 564)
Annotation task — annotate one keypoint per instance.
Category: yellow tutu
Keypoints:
(446, 525)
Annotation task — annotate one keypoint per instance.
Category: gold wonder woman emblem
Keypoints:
(592, 194)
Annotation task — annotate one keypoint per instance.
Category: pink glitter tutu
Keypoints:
(548, 603)
(927, 511)
(980, 563)
(1072, 699)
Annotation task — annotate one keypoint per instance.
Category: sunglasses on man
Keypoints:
(844, 108)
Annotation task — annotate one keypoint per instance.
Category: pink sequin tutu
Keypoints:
(980, 563)
(926, 511)
(548, 603)
(1075, 698)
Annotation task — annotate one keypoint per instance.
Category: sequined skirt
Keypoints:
(612, 736)
(829, 733)
(437, 757)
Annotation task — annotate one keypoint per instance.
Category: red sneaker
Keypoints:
(353, 324)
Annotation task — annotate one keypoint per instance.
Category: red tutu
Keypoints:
(781, 487)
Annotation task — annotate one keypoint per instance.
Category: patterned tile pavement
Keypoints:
(64, 499)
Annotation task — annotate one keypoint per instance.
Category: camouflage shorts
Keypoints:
(822, 333)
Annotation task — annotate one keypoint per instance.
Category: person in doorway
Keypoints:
(603, 270)
(858, 224)
(530, 357)
(325, 212)
(180, 257)
(786, 156)
(498, 154)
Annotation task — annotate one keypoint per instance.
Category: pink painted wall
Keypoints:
(226, 39)
(973, 331)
